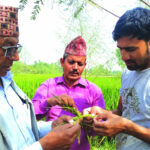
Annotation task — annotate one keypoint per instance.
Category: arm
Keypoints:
(61, 136)
(115, 124)
(43, 100)
(98, 110)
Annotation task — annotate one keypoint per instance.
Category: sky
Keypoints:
(40, 37)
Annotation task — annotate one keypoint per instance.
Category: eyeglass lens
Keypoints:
(10, 51)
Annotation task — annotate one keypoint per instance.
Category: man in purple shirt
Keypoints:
(71, 88)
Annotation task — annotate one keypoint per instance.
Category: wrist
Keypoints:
(127, 125)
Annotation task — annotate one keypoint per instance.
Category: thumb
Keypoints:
(102, 116)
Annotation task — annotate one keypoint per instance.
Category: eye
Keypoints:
(80, 64)
(71, 62)
(131, 49)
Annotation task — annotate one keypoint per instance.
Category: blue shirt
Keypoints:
(15, 120)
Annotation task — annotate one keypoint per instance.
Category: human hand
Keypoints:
(95, 110)
(61, 120)
(112, 124)
(60, 137)
(65, 98)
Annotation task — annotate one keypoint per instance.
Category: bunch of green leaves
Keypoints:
(36, 7)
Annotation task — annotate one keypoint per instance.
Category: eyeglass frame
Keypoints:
(18, 48)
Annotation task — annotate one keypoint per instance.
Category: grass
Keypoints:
(110, 88)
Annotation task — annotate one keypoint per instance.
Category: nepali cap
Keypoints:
(76, 47)
(9, 21)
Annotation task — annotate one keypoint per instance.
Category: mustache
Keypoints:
(74, 71)
(130, 61)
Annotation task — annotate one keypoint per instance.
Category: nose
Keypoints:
(124, 55)
(75, 66)
(14, 57)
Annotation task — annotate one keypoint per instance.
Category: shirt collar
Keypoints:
(7, 79)
(81, 81)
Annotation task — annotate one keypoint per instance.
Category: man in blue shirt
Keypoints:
(18, 127)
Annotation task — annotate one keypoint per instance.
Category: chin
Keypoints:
(74, 78)
(3, 74)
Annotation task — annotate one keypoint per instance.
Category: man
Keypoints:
(18, 127)
(132, 33)
(71, 88)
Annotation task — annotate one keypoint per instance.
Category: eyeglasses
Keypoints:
(10, 50)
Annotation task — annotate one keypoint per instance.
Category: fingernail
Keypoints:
(71, 121)
(93, 115)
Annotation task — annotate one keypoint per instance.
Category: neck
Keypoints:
(70, 83)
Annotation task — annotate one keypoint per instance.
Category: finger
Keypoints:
(58, 102)
(66, 118)
(71, 103)
(96, 110)
(87, 111)
(99, 124)
(100, 131)
(64, 99)
(74, 128)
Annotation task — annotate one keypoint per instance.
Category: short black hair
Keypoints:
(65, 56)
(134, 23)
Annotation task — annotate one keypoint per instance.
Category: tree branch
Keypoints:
(145, 3)
(100, 7)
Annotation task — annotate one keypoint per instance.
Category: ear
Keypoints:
(61, 61)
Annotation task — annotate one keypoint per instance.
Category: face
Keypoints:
(73, 67)
(7, 62)
(135, 53)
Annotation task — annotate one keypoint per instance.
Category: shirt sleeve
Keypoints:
(98, 99)
(34, 146)
(39, 100)
(44, 127)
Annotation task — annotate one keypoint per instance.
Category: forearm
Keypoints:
(137, 131)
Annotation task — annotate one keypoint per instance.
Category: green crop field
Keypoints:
(110, 88)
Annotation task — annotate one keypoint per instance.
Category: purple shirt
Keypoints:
(84, 93)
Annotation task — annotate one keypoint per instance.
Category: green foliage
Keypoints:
(22, 4)
(36, 7)
(119, 60)
(55, 68)
(37, 68)
(77, 6)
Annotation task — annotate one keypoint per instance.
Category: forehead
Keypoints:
(8, 40)
(76, 58)
(129, 42)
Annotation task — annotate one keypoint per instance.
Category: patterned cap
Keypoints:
(76, 47)
(9, 21)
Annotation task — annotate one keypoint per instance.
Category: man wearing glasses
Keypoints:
(18, 127)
